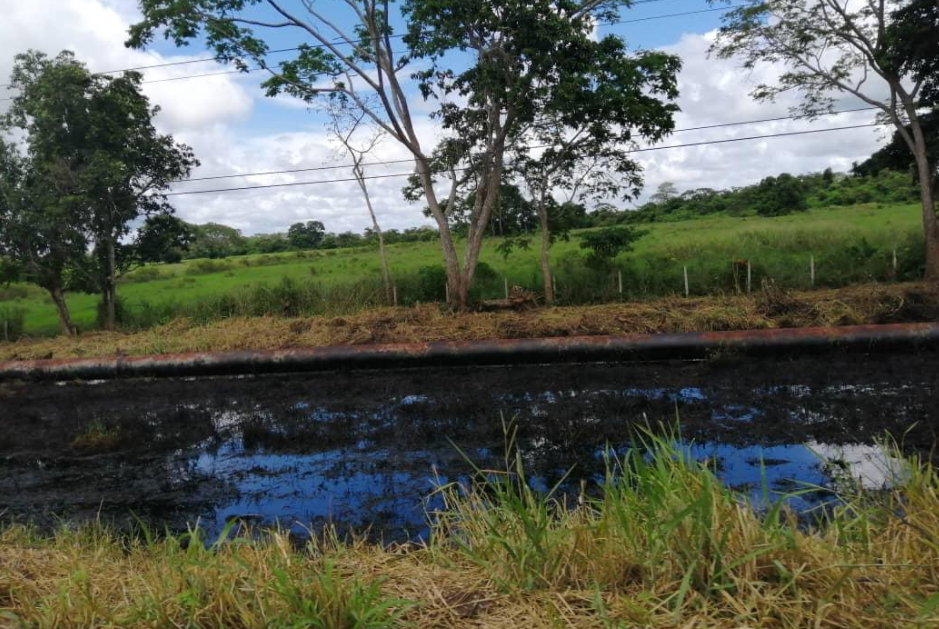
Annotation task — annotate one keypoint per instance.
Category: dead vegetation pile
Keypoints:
(769, 307)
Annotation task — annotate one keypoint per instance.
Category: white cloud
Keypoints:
(339, 205)
(95, 30)
(221, 119)
(715, 91)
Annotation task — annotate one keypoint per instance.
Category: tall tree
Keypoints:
(882, 52)
(105, 135)
(40, 223)
(347, 127)
(665, 192)
(508, 44)
(44, 213)
(308, 235)
(590, 116)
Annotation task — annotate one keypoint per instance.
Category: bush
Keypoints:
(101, 313)
(145, 274)
(11, 323)
(605, 244)
(431, 284)
(14, 291)
(202, 267)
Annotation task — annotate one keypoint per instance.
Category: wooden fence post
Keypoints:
(447, 291)
(554, 286)
(812, 269)
(894, 263)
(394, 294)
(506, 280)
(749, 277)
(619, 277)
(687, 292)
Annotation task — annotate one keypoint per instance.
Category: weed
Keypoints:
(98, 438)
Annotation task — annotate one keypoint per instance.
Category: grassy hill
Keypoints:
(849, 244)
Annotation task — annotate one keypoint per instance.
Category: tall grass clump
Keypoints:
(11, 322)
(663, 529)
(90, 577)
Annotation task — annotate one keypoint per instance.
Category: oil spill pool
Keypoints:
(367, 449)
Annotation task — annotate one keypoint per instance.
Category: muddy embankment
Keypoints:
(766, 309)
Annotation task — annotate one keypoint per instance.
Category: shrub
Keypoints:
(101, 313)
(145, 274)
(11, 323)
(605, 244)
(202, 267)
(431, 284)
(15, 291)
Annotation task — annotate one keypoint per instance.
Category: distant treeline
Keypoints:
(213, 240)
(773, 196)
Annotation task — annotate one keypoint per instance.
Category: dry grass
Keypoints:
(767, 309)
(665, 546)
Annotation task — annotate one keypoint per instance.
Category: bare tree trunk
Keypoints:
(454, 276)
(545, 248)
(65, 319)
(385, 269)
(485, 203)
(109, 289)
(927, 199)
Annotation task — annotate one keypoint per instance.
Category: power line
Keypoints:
(410, 159)
(341, 42)
(639, 150)
(287, 185)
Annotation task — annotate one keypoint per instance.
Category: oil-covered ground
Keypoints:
(367, 449)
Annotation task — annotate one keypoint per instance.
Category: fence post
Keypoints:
(506, 280)
(749, 276)
(619, 277)
(447, 291)
(687, 292)
(554, 286)
(894, 263)
(394, 294)
(812, 269)
(6, 331)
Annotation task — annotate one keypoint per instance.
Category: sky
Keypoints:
(234, 128)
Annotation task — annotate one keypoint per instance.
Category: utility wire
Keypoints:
(341, 42)
(410, 159)
(639, 150)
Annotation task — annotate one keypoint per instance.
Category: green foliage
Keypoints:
(605, 245)
(307, 235)
(896, 156)
(431, 283)
(778, 249)
(11, 322)
(214, 240)
(776, 196)
(92, 169)
(162, 238)
(101, 313)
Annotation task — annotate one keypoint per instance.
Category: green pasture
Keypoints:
(848, 244)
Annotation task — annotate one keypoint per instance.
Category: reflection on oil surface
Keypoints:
(366, 449)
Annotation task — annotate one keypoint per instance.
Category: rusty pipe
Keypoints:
(902, 337)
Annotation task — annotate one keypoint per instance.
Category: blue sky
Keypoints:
(233, 128)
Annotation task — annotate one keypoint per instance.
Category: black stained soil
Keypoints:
(361, 447)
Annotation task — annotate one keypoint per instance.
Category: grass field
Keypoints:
(849, 245)
(663, 545)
